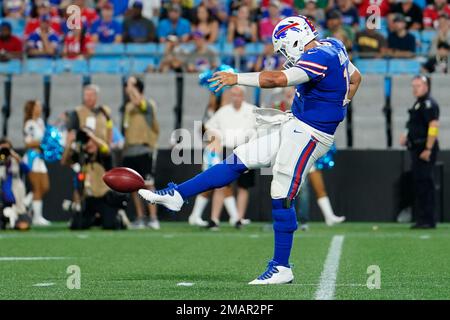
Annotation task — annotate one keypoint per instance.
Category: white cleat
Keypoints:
(169, 197)
(41, 222)
(196, 221)
(154, 224)
(274, 274)
(334, 220)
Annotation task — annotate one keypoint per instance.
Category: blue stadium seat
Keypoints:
(141, 49)
(254, 49)
(72, 66)
(140, 64)
(228, 48)
(428, 35)
(399, 66)
(377, 66)
(18, 26)
(188, 47)
(39, 66)
(113, 49)
(418, 37)
(109, 65)
(11, 67)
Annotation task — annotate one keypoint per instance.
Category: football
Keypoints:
(124, 180)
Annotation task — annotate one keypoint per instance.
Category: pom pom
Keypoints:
(208, 74)
(52, 145)
(326, 162)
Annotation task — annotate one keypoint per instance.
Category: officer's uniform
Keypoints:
(424, 110)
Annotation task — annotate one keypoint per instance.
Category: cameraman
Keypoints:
(90, 115)
(12, 186)
(141, 131)
(92, 155)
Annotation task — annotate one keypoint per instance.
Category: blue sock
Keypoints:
(217, 176)
(284, 226)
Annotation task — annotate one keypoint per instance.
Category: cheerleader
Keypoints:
(34, 129)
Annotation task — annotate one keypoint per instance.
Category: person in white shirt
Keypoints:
(34, 129)
(232, 125)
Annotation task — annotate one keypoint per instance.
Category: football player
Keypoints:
(325, 83)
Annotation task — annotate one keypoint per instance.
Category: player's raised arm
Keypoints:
(264, 79)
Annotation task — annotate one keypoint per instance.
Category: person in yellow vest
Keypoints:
(95, 117)
(141, 131)
(100, 204)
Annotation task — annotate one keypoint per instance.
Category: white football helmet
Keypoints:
(290, 37)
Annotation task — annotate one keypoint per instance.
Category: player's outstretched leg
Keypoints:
(284, 225)
(217, 176)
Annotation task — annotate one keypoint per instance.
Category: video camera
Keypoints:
(5, 152)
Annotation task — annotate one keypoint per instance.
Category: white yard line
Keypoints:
(30, 258)
(327, 284)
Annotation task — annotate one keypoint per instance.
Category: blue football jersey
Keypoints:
(321, 102)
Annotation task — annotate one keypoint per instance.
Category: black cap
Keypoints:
(334, 14)
(443, 45)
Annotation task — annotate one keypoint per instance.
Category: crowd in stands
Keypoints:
(195, 33)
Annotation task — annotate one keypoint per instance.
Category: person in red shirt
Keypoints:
(11, 47)
(88, 15)
(433, 11)
(43, 7)
(78, 44)
(365, 7)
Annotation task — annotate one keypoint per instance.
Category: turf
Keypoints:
(148, 264)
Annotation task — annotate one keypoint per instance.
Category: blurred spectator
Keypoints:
(411, 11)
(201, 58)
(136, 28)
(172, 56)
(443, 33)
(365, 6)
(186, 9)
(433, 11)
(349, 13)
(141, 129)
(174, 25)
(11, 47)
(205, 23)
(312, 9)
(88, 14)
(338, 30)
(254, 11)
(267, 25)
(370, 43)
(78, 44)
(321, 4)
(11, 183)
(42, 7)
(401, 43)
(217, 9)
(14, 9)
(438, 63)
(106, 29)
(242, 27)
(286, 7)
(268, 60)
(44, 42)
(120, 6)
(239, 60)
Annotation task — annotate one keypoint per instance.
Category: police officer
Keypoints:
(421, 140)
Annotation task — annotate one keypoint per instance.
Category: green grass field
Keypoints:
(148, 264)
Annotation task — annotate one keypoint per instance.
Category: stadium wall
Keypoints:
(363, 186)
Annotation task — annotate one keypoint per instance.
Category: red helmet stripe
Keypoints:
(286, 28)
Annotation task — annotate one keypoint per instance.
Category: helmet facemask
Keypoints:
(292, 54)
